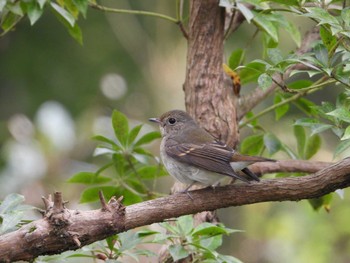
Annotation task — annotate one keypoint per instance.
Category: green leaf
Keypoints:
(119, 163)
(73, 30)
(315, 126)
(252, 145)
(211, 243)
(264, 81)
(129, 197)
(9, 21)
(346, 134)
(133, 134)
(345, 15)
(275, 55)
(327, 38)
(272, 143)
(151, 172)
(11, 212)
(129, 240)
(91, 194)
(341, 113)
(178, 252)
(209, 229)
(323, 201)
(17, 9)
(321, 54)
(120, 126)
(63, 13)
(71, 7)
(82, 6)
(170, 228)
(251, 71)
(146, 232)
(313, 144)
(262, 21)
(185, 224)
(300, 135)
(41, 3)
(285, 2)
(294, 32)
(343, 100)
(246, 12)
(318, 128)
(300, 84)
(305, 105)
(255, 122)
(322, 16)
(226, 3)
(281, 110)
(341, 147)
(88, 178)
(288, 151)
(307, 122)
(147, 138)
(106, 140)
(11, 202)
(9, 221)
(236, 58)
(111, 240)
(76, 33)
(34, 11)
(324, 109)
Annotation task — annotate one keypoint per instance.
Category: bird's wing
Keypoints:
(213, 156)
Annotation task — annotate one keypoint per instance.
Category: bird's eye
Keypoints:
(172, 120)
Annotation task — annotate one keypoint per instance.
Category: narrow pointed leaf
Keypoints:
(133, 133)
(312, 146)
(120, 127)
(147, 138)
(88, 178)
(300, 135)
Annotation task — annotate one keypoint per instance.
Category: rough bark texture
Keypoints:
(207, 99)
(62, 229)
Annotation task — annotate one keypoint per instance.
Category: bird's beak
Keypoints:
(156, 120)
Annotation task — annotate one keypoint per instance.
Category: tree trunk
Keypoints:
(207, 97)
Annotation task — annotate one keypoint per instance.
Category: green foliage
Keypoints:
(66, 11)
(182, 237)
(327, 63)
(253, 145)
(199, 243)
(130, 163)
(115, 248)
(12, 212)
(329, 58)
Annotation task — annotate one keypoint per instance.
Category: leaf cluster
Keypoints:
(325, 65)
(66, 11)
(12, 213)
(199, 243)
(128, 168)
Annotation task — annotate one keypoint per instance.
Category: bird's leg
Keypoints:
(186, 190)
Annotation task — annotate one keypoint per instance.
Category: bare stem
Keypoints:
(134, 12)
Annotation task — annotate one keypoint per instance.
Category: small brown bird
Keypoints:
(192, 155)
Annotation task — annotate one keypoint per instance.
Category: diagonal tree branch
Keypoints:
(62, 229)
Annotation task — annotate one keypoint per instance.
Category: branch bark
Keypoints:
(206, 98)
(62, 229)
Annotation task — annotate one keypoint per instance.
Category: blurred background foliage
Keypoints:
(55, 94)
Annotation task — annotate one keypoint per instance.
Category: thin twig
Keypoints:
(133, 12)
